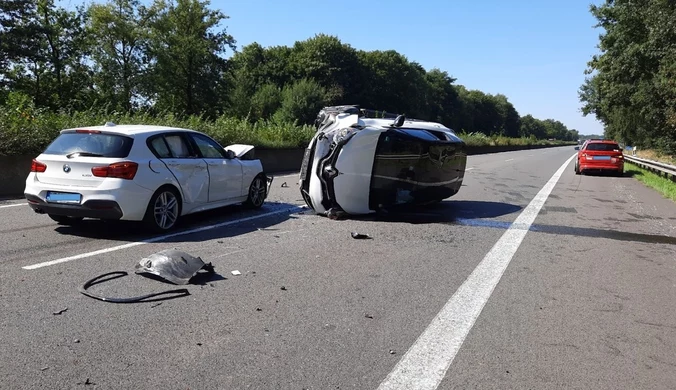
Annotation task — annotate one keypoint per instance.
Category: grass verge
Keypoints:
(663, 185)
(653, 155)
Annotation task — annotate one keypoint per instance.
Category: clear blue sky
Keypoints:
(534, 52)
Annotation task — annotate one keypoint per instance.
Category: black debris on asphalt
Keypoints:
(360, 236)
(58, 313)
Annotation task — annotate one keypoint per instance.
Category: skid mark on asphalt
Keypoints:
(425, 364)
(164, 237)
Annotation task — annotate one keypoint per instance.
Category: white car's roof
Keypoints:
(130, 129)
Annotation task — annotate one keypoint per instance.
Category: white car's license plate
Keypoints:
(63, 197)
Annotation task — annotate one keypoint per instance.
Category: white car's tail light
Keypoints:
(38, 167)
(122, 170)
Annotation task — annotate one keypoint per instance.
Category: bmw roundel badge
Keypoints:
(66, 168)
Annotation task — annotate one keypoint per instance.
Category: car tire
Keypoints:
(257, 192)
(65, 220)
(577, 168)
(164, 210)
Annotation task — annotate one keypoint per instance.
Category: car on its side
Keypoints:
(150, 174)
(597, 155)
(360, 165)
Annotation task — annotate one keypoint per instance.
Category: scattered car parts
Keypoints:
(97, 280)
(172, 265)
(360, 236)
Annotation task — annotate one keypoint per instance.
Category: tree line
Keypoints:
(172, 56)
(631, 86)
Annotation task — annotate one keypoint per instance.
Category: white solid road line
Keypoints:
(425, 364)
(161, 238)
(12, 205)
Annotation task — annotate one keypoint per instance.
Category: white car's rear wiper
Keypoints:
(83, 154)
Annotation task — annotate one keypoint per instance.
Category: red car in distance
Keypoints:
(597, 155)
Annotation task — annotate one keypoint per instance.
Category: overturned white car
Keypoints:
(360, 165)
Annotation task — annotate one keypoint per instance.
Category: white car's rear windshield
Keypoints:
(91, 144)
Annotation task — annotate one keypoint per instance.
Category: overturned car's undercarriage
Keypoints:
(360, 165)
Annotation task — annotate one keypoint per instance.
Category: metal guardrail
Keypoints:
(661, 169)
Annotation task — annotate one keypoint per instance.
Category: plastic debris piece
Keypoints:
(236, 273)
(173, 265)
(360, 236)
(58, 313)
(335, 213)
(283, 288)
(118, 274)
(284, 185)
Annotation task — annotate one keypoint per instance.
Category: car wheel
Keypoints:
(163, 210)
(65, 220)
(257, 192)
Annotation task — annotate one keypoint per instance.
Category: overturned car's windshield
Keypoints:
(92, 144)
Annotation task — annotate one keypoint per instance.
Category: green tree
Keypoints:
(185, 50)
(119, 34)
(630, 86)
(301, 101)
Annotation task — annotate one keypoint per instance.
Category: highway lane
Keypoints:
(588, 300)
(347, 304)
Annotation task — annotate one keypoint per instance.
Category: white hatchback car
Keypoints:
(153, 174)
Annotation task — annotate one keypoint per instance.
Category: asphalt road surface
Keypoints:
(530, 278)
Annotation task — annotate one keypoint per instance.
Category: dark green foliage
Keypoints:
(632, 87)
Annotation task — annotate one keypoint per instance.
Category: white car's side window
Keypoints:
(178, 146)
(160, 147)
(208, 148)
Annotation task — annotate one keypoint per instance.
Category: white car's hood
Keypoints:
(239, 149)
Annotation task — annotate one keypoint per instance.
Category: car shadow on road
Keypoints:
(632, 173)
(626, 173)
(448, 211)
(581, 232)
(135, 232)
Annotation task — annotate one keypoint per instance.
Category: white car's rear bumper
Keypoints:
(115, 199)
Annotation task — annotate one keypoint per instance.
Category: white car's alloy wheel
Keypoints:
(166, 210)
(257, 192)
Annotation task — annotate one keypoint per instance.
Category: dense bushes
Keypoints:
(26, 130)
